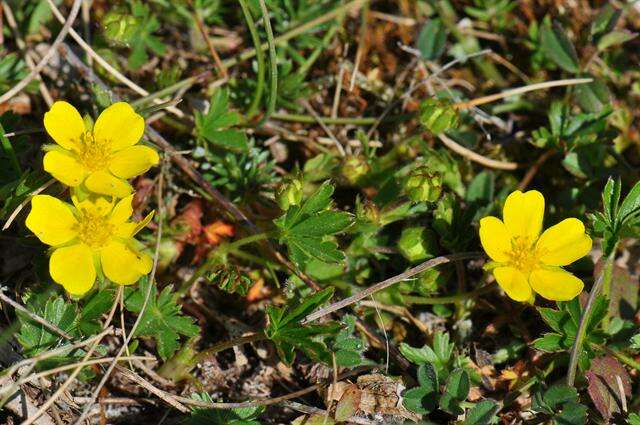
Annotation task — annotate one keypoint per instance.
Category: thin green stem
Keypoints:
(259, 56)
(249, 239)
(225, 345)
(603, 280)
(170, 89)
(10, 152)
(629, 361)
(450, 299)
(308, 119)
(273, 64)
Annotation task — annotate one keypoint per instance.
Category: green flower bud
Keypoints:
(367, 212)
(422, 185)
(438, 115)
(417, 244)
(354, 168)
(231, 280)
(289, 193)
(119, 27)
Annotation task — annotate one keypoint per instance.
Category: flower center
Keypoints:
(94, 229)
(93, 155)
(523, 255)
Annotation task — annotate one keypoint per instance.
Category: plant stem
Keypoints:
(308, 119)
(273, 64)
(450, 299)
(224, 345)
(603, 280)
(259, 56)
(249, 239)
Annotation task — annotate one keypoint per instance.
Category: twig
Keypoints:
(47, 324)
(519, 90)
(47, 57)
(389, 282)
(273, 64)
(531, 172)
(212, 50)
(163, 395)
(73, 375)
(103, 63)
(24, 203)
(326, 129)
(475, 157)
(127, 340)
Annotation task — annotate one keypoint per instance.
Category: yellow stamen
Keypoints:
(94, 229)
(523, 255)
(93, 155)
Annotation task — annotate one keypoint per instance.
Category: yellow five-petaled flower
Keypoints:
(102, 158)
(94, 237)
(527, 261)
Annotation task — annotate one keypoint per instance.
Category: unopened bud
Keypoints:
(422, 185)
(119, 27)
(438, 115)
(354, 168)
(417, 244)
(289, 193)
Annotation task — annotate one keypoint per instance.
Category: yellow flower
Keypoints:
(102, 158)
(525, 260)
(92, 238)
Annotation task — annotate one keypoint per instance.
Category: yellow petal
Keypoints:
(523, 214)
(495, 238)
(51, 220)
(73, 268)
(105, 183)
(122, 211)
(555, 284)
(564, 243)
(64, 124)
(64, 167)
(513, 282)
(123, 265)
(133, 161)
(119, 126)
(129, 229)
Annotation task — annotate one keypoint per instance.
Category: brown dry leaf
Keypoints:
(373, 394)
(606, 375)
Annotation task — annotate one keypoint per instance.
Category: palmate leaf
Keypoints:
(214, 126)
(34, 337)
(286, 332)
(306, 229)
(162, 319)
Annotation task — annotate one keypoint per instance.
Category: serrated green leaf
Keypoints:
(558, 47)
(162, 319)
(482, 413)
(97, 305)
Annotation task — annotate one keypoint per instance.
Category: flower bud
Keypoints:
(354, 168)
(422, 185)
(438, 115)
(289, 193)
(119, 27)
(417, 244)
(367, 212)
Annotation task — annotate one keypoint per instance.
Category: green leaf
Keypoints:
(162, 319)
(630, 205)
(36, 338)
(558, 47)
(214, 126)
(573, 413)
(456, 391)
(238, 416)
(558, 395)
(611, 198)
(593, 96)
(482, 413)
(324, 223)
(418, 400)
(97, 305)
(550, 342)
(606, 20)
(614, 38)
(432, 39)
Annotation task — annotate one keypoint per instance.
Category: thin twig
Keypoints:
(47, 57)
(103, 63)
(73, 375)
(519, 90)
(389, 282)
(326, 129)
(47, 324)
(127, 340)
(475, 157)
(212, 50)
(531, 172)
(24, 203)
(163, 395)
